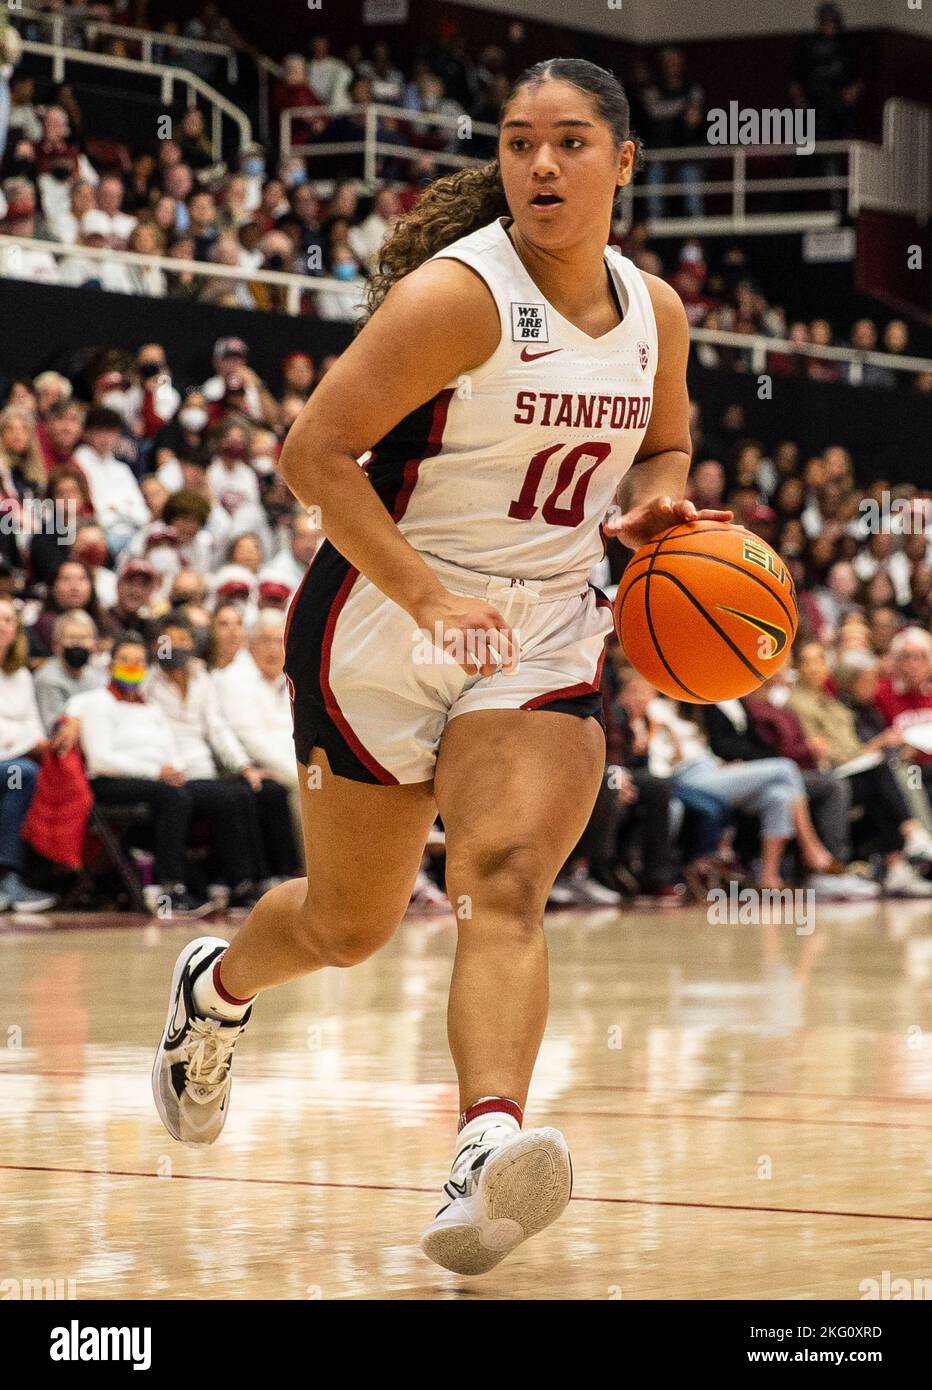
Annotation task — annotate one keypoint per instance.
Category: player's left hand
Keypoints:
(647, 520)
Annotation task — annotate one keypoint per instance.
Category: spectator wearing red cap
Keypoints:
(136, 585)
(237, 585)
(272, 595)
(231, 358)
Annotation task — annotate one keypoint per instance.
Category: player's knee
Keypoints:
(511, 878)
(334, 939)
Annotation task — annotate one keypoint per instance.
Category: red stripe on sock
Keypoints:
(489, 1104)
(225, 993)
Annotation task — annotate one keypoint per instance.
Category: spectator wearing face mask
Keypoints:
(336, 305)
(70, 669)
(181, 440)
(152, 400)
(59, 162)
(252, 167)
(90, 547)
(231, 480)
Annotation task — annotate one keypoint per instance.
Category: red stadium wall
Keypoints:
(882, 268)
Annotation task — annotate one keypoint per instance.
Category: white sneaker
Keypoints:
(918, 844)
(579, 889)
(588, 892)
(502, 1189)
(902, 881)
(848, 887)
(191, 1074)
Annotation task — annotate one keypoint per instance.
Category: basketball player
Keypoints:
(515, 378)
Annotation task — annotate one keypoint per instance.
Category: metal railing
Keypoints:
(294, 285)
(220, 106)
(370, 146)
(757, 346)
(738, 184)
(60, 22)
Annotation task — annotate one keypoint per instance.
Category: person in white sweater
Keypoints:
(119, 505)
(251, 798)
(136, 753)
(22, 743)
(253, 695)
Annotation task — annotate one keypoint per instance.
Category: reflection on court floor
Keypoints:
(750, 1115)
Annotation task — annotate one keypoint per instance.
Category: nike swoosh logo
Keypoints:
(532, 357)
(776, 634)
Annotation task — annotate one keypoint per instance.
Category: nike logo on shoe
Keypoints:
(532, 356)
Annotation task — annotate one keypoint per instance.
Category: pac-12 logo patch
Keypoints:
(643, 355)
(529, 323)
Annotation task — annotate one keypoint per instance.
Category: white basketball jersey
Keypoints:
(512, 467)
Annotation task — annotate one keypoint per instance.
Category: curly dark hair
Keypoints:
(456, 204)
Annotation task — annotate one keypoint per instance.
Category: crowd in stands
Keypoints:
(306, 215)
(149, 549)
(148, 553)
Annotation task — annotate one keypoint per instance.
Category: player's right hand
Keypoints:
(471, 631)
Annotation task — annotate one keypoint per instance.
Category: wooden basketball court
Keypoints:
(750, 1116)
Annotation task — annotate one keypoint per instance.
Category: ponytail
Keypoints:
(449, 208)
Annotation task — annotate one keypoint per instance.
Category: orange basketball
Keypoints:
(706, 611)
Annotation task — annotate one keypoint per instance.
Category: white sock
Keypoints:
(493, 1119)
(210, 1002)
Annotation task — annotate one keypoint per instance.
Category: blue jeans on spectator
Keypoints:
(713, 815)
(766, 787)
(665, 171)
(16, 792)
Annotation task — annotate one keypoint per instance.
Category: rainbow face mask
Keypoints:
(125, 674)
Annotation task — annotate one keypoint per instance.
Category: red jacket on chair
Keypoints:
(59, 811)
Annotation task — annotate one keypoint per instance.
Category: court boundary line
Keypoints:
(389, 1187)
